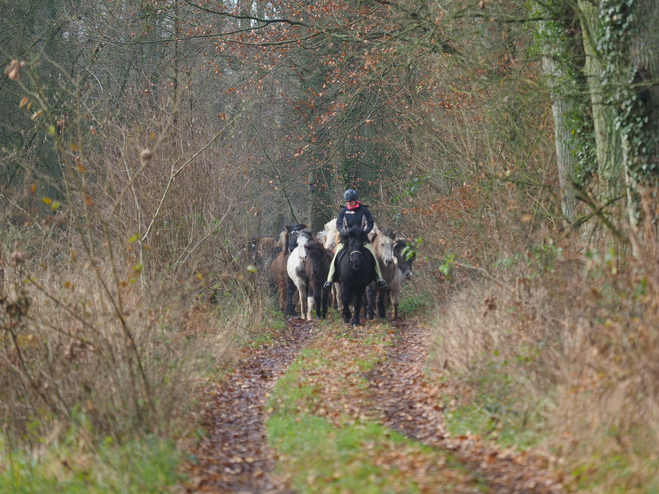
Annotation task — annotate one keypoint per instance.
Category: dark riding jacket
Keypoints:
(357, 217)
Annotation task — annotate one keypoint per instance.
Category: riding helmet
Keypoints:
(350, 195)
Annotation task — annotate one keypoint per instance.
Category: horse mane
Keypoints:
(314, 245)
(387, 232)
(283, 238)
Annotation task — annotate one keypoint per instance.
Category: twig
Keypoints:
(477, 268)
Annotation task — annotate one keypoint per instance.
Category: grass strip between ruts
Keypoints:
(326, 429)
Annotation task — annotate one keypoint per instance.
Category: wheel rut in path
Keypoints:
(411, 406)
(234, 456)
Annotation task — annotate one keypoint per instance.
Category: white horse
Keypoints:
(331, 239)
(295, 267)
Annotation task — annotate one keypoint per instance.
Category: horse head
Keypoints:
(404, 255)
(383, 245)
(356, 238)
(315, 255)
(291, 234)
(303, 237)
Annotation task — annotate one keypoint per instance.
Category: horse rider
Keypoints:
(353, 215)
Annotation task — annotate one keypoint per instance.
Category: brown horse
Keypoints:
(382, 239)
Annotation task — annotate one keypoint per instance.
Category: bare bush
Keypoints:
(111, 268)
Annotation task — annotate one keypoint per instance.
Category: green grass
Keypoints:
(500, 410)
(145, 466)
(617, 473)
(319, 454)
(413, 304)
(345, 454)
(505, 426)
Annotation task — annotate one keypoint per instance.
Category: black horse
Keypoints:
(355, 271)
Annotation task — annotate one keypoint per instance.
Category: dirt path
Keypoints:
(331, 417)
(410, 406)
(235, 456)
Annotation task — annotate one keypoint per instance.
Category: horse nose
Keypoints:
(408, 275)
(387, 262)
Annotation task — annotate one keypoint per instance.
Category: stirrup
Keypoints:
(382, 284)
(328, 285)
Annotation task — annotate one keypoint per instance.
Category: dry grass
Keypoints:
(568, 349)
(128, 361)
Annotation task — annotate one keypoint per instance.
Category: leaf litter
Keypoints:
(234, 455)
(359, 383)
(412, 406)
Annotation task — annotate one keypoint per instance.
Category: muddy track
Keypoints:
(235, 457)
(411, 407)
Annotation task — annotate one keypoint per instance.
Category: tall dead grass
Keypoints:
(568, 347)
(129, 363)
(110, 269)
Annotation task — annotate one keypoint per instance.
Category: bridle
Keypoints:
(352, 260)
(345, 226)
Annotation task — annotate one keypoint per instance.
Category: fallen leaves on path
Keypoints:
(411, 406)
(369, 375)
(234, 456)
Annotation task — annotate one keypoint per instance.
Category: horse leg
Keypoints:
(358, 309)
(370, 296)
(290, 289)
(345, 301)
(302, 292)
(317, 294)
(324, 302)
(311, 301)
(395, 298)
(281, 288)
(381, 311)
(336, 292)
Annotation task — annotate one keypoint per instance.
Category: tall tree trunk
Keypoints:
(607, 137)
(560, 107)
(639, 116)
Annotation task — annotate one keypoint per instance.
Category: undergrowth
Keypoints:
(147, 465)
(559, 355)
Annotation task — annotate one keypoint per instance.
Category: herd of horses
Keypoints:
(298, 262)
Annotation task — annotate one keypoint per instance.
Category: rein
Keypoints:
(352, 260)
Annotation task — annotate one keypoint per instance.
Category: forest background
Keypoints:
(145, 144)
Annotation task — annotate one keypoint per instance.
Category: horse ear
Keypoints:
(372, 235)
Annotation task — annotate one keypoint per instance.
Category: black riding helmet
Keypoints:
(350, 195)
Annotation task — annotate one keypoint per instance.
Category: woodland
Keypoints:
(148, 147)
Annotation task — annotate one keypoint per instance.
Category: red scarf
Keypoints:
(354, 207)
